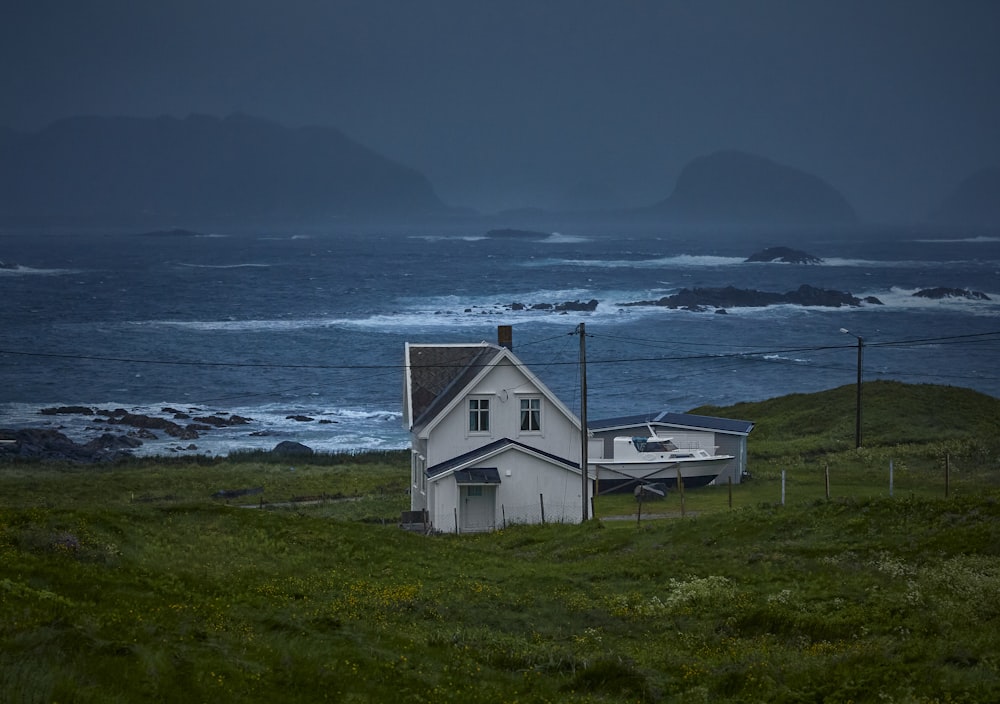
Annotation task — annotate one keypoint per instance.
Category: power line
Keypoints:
(748, 355)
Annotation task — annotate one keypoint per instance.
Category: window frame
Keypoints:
(525, 413)
(478, 408)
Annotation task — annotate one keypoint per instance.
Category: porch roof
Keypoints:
(477, 475)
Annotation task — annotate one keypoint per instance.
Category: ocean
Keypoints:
(304, 333)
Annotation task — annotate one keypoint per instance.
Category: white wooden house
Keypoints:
(490, 443)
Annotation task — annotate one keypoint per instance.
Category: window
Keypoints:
(531, 415)
(473, 491)
(479, 415)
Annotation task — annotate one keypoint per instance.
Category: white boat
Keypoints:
(655, 459)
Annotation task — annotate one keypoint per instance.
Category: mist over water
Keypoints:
(283, 325)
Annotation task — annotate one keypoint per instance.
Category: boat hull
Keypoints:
(616, 477)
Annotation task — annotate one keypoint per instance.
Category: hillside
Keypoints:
(168, 170)
(733, 187)
(893, 413)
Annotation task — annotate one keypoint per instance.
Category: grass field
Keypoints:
(132, 583)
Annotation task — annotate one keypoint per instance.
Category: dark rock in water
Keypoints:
(556, 307)
(703, 299)
(288, 447)
(7, 265)
(219, 422)
(518, 234)
(721, 311)
(111, 442)
(300, 419)
(67, 410)
(942, 292)
(139, 420)
(577, 305)
(873, 301)
(783, 254)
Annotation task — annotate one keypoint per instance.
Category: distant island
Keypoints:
(734, 187)
(975, 201)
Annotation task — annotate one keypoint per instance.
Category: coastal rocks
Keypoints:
(67, 410)
(53, 445)
(703, 299)
(291, 448)
(783, 254)
(941, 292)
(564, 307)
(138, 420)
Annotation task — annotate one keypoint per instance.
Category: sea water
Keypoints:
(283, 326)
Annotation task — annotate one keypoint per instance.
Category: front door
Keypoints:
(478, 509)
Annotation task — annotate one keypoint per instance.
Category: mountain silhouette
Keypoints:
(235, 169)
(976, 201)
(734, 187)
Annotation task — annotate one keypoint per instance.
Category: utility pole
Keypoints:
(582, 330)
(857, 417)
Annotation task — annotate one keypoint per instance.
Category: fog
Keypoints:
(559, 104)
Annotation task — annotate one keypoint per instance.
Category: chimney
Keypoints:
(505, 336)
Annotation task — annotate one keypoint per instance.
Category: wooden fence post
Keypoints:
(680, 487)
(638, 515)
(826, 474)
(890, 479)
(456, 520)
(782, 487)
(541, 502)
(503, 512)
(947, 474)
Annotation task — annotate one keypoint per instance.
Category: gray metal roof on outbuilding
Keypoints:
(686, 420)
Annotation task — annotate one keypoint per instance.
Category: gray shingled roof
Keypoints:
(688, 420)
(438, 373)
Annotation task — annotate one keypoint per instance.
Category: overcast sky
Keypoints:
(513, 103)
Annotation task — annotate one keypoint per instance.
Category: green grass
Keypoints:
(131, 583)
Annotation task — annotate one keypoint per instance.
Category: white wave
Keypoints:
(559, 238)
(224, 266)
(782, 358)
(904, 298)
(964, 240)
(262, 325)
(439, 238)
(19, 270)
(679, 261)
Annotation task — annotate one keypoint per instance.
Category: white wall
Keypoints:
(504, 386)
(531, 483)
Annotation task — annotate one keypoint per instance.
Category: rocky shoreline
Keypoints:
(111, 444)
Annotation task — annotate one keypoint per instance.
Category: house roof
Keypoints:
(684, 420)
(435, 374)
(490, 450)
